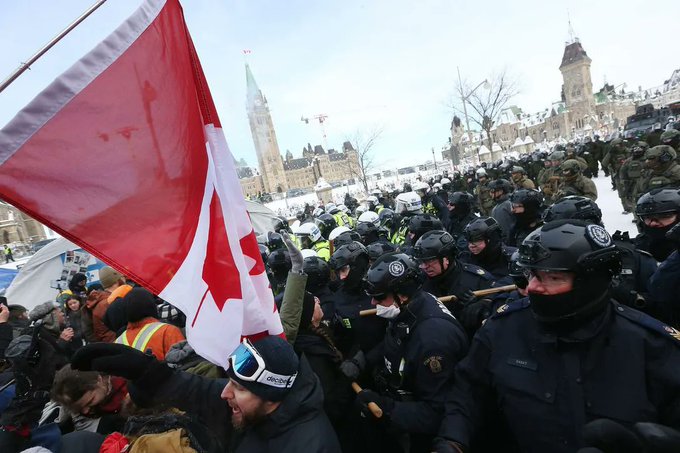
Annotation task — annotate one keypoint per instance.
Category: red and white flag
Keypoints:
(124, 155)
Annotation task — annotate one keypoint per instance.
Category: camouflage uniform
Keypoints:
(662, 171)
(631, 171)
(614, 159)
(574, 183)
(484, 198)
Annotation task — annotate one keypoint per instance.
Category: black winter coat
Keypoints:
(298, 424)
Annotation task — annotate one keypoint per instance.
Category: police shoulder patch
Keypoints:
(396, 269)
(434, 363)
(598, 235)
(511, 307)
(648, 322)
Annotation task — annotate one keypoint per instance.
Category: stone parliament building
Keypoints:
(278, 174)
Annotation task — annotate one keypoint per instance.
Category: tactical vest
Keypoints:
(322, 249)
(635, 168)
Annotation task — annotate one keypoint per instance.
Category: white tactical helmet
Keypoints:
(309, 230)
(317, 212)
(481, 172)
(337, 232)
(446, 181)
(306, 253)
(407, 202)
(376, 192)
(330, 207)
(372, 199)
(436, 186)
(343, 208)
(420, 185)
(370, 216)
(360, 210)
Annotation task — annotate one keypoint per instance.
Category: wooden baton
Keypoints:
(445, 299)
(374, 408)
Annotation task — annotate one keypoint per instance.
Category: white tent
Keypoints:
(528, 140)
(48, 272)
(496, 148)
(518, 142)
(483, 150)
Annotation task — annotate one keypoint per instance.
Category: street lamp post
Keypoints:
(464, 99)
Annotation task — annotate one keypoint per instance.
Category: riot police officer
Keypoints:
(436, 254)
(527, 208)
(483, 193)
(318, 278)
(406, 205)
(573, 182)
(486, 248)
(423, 343)
(350, 263)
(631, 171)
(461, 206)
(502, 212)
(566, 356)
(662, 171)
(658, 211)
(631, 285)
(310, 238)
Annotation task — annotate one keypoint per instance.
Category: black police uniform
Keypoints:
(631, 286)
(496, 263)
(457, 279)
(622, 365)
(422, 346)
(664, 289)
(356, 332)
(502, 212)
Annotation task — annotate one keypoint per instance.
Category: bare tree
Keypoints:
(485, 104)
(363, 142)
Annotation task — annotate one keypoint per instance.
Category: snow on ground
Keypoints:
(612, 210)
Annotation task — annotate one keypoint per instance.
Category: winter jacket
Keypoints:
(95, 307)
(298, 424)
(291, 306)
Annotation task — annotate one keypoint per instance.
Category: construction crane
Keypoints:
(321, 118)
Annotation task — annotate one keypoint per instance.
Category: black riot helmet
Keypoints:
(519, 275)
(347, 254)
(326, 223)
(484, 229)
(394, 273)
(281, 223)
(368, 232)
(574, 207)
(531, 199)
(345, 238)
(422, 223)
(378, 249)
(386, 217)
(501, 184)
(434, 244)
(658, 201)
(577, 247)
(355, 256)
(279, 260)
(318, 273)
(264, 252)
(462, 203)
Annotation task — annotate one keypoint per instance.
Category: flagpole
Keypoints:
(24, 66)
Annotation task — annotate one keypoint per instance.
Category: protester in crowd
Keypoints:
(77, 286)
(72, 310)
(54, 330)
(272, 401)
(144, 331)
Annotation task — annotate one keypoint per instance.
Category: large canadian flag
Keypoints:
(124, 155)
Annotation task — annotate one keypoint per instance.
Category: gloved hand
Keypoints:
(353, 367)
(440, 445)
(114, 359)
(369, 396)
(472, 315)
(466, 298)
(296, 257)
(609, 436)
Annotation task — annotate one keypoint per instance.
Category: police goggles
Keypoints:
(248, 365)
(660, 217)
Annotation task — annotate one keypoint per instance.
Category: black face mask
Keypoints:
(660, 246)
(526, 218)
(357, 271)
(568, 311)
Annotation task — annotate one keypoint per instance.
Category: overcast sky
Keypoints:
(366, 64)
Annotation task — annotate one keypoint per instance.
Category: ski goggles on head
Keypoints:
(248, 365)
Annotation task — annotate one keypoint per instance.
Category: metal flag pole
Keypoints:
(24, 66)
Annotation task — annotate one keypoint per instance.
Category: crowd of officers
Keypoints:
(485, 310)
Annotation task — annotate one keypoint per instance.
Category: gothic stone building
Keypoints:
(278, 175)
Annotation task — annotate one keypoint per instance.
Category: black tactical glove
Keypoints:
(473, 314)
(609, 436)
(353, 367)
(466, 298)
(440, 445)
(118, 360)
(385, 403)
